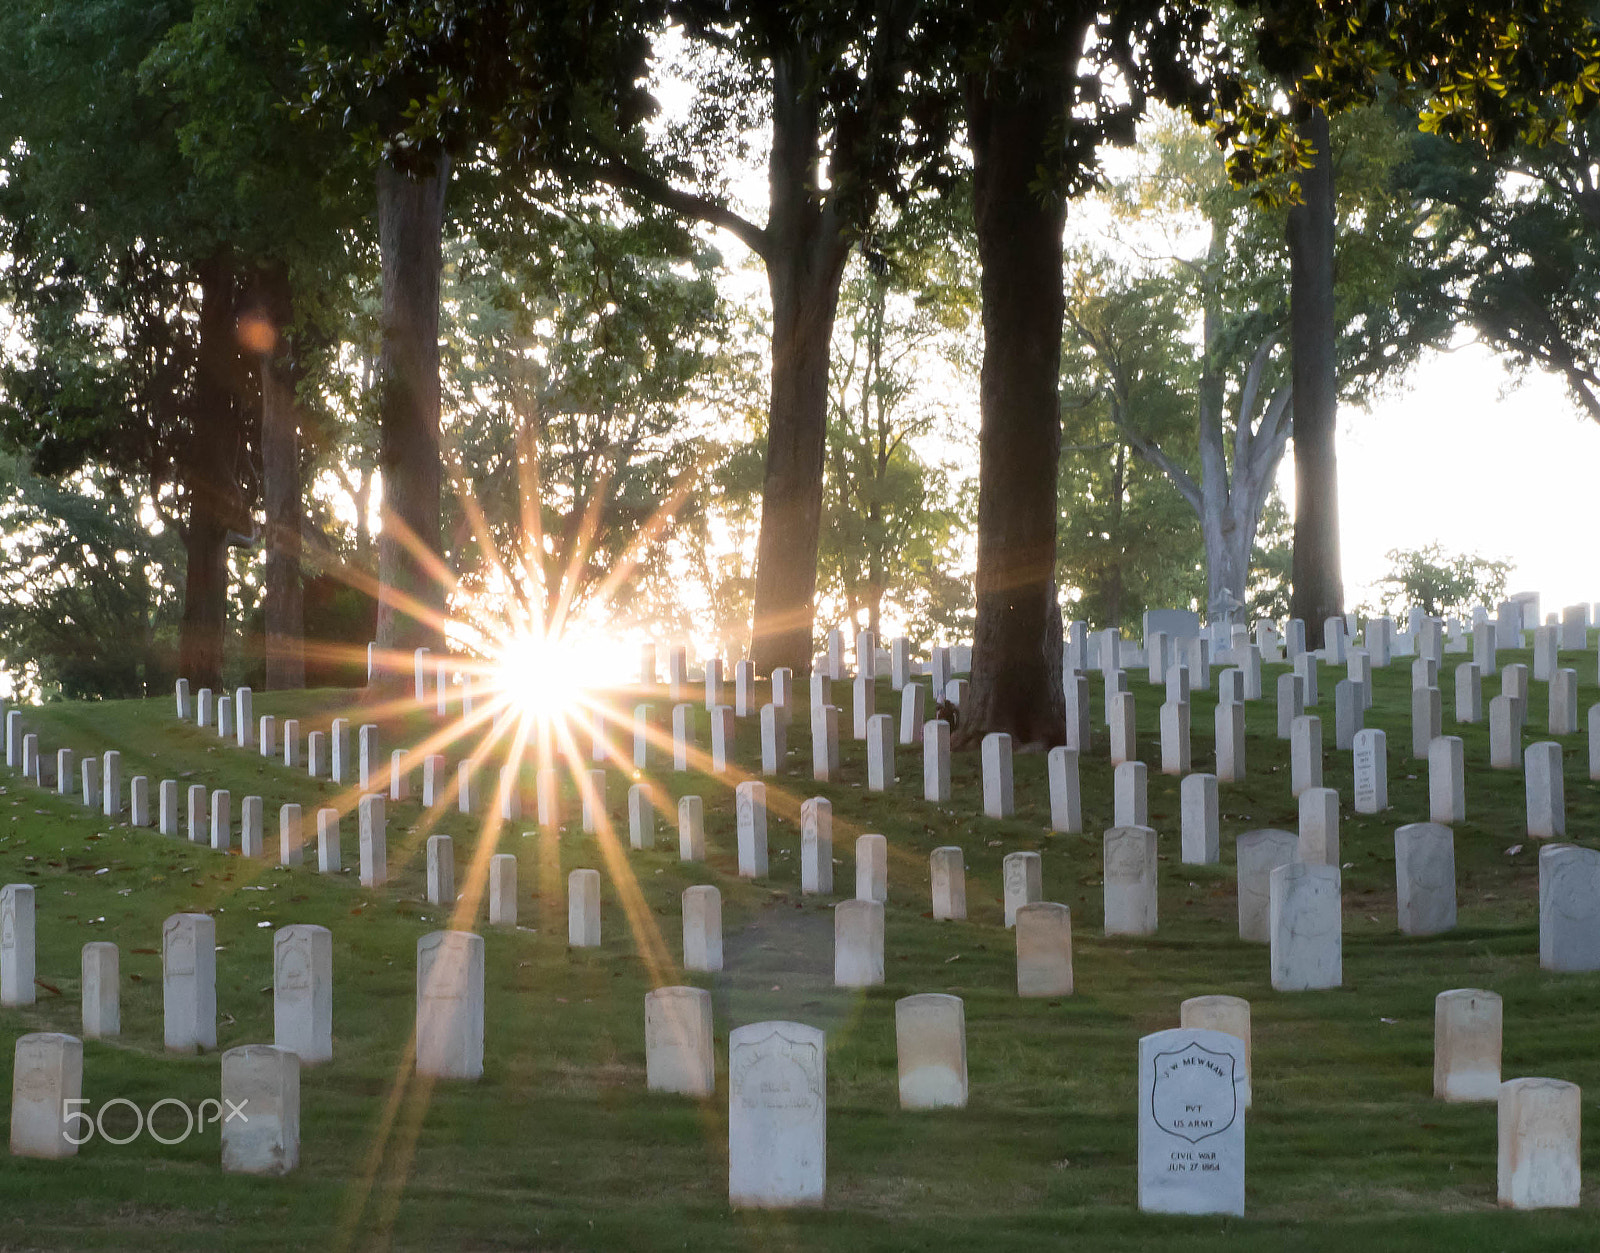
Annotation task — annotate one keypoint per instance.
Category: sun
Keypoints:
(544, 677)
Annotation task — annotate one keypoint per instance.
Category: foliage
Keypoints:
(91, 594)
(1439, 582)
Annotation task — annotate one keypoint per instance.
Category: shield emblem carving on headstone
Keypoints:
(1193, 1093)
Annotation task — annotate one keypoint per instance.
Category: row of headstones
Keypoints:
(1195, 1083)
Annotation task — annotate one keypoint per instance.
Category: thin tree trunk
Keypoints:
(1016, 660)
(410, 596)
(805, 265)
(211, 482)
(1318, 590)
(284, 602)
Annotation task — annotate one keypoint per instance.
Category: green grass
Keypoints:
(559, 1146)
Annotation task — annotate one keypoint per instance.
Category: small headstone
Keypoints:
(936, 761)
(1066, 802)
(1305, 927)
(291, 840)
(198, 821)
(189, 982)
(864, 707)
(1200, 825)
(1191, 1122)
(1075, 687)
(441, 871)
(252, 826)
(89, 772)
(18, 944)
(816, 846)
(102, 990)
(750, 809)
(1349, 703)
(641, 816)
(1130, 795)
(1546, 791)
(583, 909)
(1425, 878)
(291, 743)
(744, 688)
(1291, 703)
(1129, 853)
(316, 754)
(1319, 826)
(372, 826)
(449, 1030)
(1466, 1045)
(1305, 668)
(702, 928)
(1044, 950)
(1539, 1161)
(931, 1042)
(1230, 742)
(1257, 854)
(880, 753)
(1514, 683)
(1505, 734)
(221, 820)
(1424, 673)
(1305, 754)
(503, 890)
(244, 712)
(1545, 640)
(1563, 719)
(302, 992)
(857, 944)
(466, 789)
(691, 829)
(225, 717)
(872, 868)
(139, 801)
(329, 858)
(677, 1040)
(547, 798)
(1023, 879)
(1227, 1014)
(182, 694)
(1447, 780)
(777, 1116)
(997, 794)
(1175, 738)
(1426, 724)
(1483, 648)
(1358, 670)
(111, 783)
(682, 735)
(1469, 693)
(594, 801)
(825, 743)
(168, 807)
(1569, 908)
(46, 1090)
(947, 869)
(1121, 720)
(774, 738)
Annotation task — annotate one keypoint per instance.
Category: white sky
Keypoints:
(1457, 459)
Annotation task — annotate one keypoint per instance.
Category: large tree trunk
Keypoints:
(410, 594)
(805, 265)
(1016, 659)
(1318, 591)
(281, 495)
(211, 481)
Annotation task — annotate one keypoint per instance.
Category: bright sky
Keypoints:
(1458, 459)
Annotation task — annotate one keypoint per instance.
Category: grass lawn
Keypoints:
(560, 1146)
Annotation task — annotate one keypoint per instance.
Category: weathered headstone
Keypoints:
(18, 944)
(677, 1041)
(1075, 689)
(302, 992)
(1305, 927)
(641, 816)
(1447, 780)
(1546, 791)
(441, 870)
(111, 783)
(702, 928)
(1563, 713)
(100, 970)
(1129, 854)
(1539, 1162)
(774, 738)
(816, 846)
(872, 868)
(329, 857)
(1291, 703)
(1426, 724)
(931, 1044)
(1122, 722)
(449, 1028)
(682, 735)
(583, 909)
(503, 890)
(1175, 738)
(997, 793)
(1505, 734)
(291, 743)
(1066, 803)
(880, 752)
(46, 1091)
(713, 683)
(936, 761)
(372, 833)
(857, 944)
(252, 826)
(777, 1116)
(1257, 854)
(1044, 950)
(1022, 879)
(1305, 754)
(1425, 878)
(1569, 908)
(1130, 805)
(1230, 743)
(594, 801)
(1466, 1045)
(750, 810)
(825, 743)
(291, 840)
(1469, 693)
(947, 870)
(1227, 1014)
(1319, 826)
(221, 820)
(189, 982)
(168, 824)
(1349, 704)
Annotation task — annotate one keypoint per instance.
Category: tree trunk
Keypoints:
(1318, 591)
(284, 507)
(805, 264)
(410, 594)
(211, 481)
(1016, 659)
